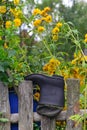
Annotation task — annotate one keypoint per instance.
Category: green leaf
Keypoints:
(4, 120)
(11, 53)
(0, 113)
(1, 68)
(85, 46)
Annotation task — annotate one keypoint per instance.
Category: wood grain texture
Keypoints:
(26, 106)
(48, 123)
(4, 106)
(73, 92)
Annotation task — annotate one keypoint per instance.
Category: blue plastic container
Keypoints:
(13, 99)
(35, 103)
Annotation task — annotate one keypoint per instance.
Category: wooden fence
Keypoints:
(26, 116)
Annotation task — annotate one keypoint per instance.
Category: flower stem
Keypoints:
(76, 42)
(47, 48)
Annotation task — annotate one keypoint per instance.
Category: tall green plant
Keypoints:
(13, 53)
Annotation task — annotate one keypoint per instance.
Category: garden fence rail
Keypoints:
(25, 116)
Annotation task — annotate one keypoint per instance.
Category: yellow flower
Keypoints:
(16, 12)
(2, 9)
(41, 29)
(75, 55)
(51, 66)
(43, 13)
(36, 11)
(55, 30)
(59, 24)
(78, 58)
(48, 18)
(75, 72)
(51, 72)
(17, 22)
(12, 10)
(37, 22)
(55, 37)
(37, 96)
(79, 54)
(84, 58)
(74, 61)
(85, 40)
(43, 19)
(54, 61)
(66, 76)
(45, 67)
(86, 35)
(8, 24)
(5, 45)
(82, 81)
(46, 9)
(16, 2)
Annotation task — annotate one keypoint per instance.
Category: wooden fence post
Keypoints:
(48, 123)
(26, 106)
(73, 92)
(4, 106)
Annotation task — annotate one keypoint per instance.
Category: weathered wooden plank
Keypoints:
(36, 117)
(4, 106)
(47, 123)
(26, 106)
(73, 92)
(61, 116)
(14, 118)
(52, 124)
